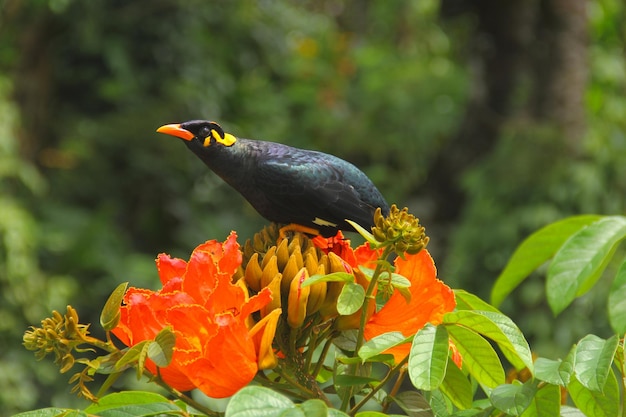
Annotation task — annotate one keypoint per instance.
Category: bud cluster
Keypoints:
(59, 334)
(401, 230)
(283, 267)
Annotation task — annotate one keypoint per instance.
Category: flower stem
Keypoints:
(310, 350)
(283, 388)
(320, 361)
(368, 298)
(396, 387)
(396, 369)
(360, 336)
(106, 346)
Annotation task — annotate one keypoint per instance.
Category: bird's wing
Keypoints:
(305, 188)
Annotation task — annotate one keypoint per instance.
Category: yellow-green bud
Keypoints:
(399, 229)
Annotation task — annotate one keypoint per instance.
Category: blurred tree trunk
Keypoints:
(559, 60)
(527, 61)
(32, 74)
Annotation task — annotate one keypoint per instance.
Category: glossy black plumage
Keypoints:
(286, 184)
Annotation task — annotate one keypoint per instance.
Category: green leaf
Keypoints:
(365, 233)
(595, 403)
(333, 412)
(457, 387)
(581, 260)
(479, 358)
(534, 251)
(594, 357)
(617, 301)
(500, 329)
(413, 404)
(513, 398)
(371, 414)
(135, 354)
(395, 280)
(350, 299)
(108, 363)
(352, 380)
(398, 281)
(428, 357)
(567, 411)
(618, 359)
(381, 343)
(555, 372)
(110, 316)
(108, 383)
(545, 403)
(132, 403)
(334, 277)
(440, 404)
(314, 408)
(52, 412)
(162, 349)
(258, 401)
(382, 358)
(468, 301)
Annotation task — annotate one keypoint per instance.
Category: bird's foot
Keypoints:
(293, 227)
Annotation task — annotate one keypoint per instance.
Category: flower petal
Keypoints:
(209, 275)
(232, 256)
(172, 375)
(143, 315)
(366, 256)
(218, 363)
(262, 336)
(256, 302)
(201, 277)
(430, 300)
(337, 244)
(209, 315)
(169, 268)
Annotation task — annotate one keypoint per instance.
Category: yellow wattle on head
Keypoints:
(227, 140)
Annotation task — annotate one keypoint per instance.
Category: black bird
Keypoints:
(309, 191)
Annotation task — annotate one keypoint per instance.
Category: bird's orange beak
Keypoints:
(176, 130)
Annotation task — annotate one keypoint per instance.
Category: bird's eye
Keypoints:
(204, 132)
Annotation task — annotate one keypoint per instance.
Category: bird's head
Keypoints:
(204, 131)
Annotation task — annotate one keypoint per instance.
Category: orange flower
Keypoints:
(218, 347)
(430, 297)
(430, 300)
(340, 246)
(337, 244)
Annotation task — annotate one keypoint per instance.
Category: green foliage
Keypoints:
(617, 301)
(577, 265)
(379, 344)
(429, 357)
(581, 250)
(603, 403)
(89, 194)
(260, 401)
(556, 372)
(534, 251)
(119, 404)
(500, 329)
(95, 193)
(350, 299)
(110, 316)
(529, 179)
(451, 384)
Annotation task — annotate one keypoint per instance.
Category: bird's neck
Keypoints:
(229, 162)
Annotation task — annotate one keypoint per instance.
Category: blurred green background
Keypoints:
(488, 119)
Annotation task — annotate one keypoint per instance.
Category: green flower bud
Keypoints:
(401, 230)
